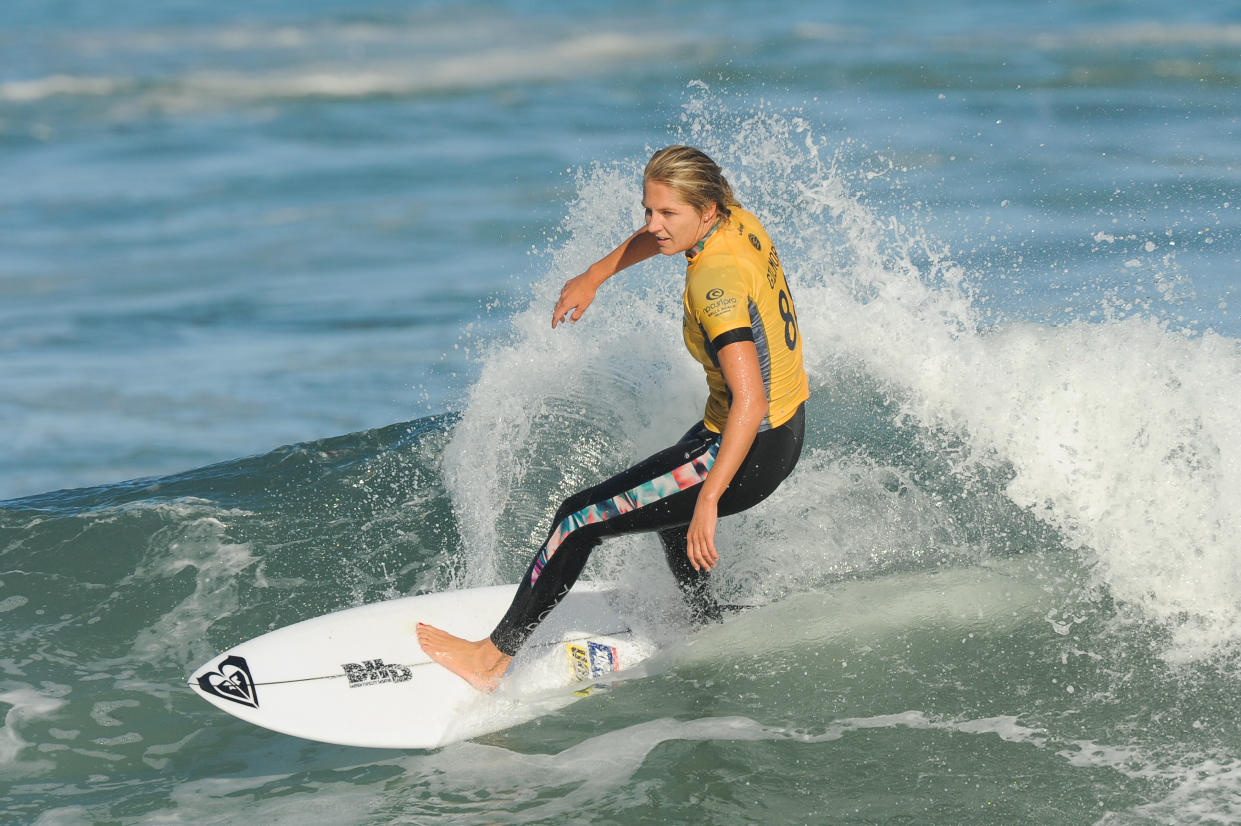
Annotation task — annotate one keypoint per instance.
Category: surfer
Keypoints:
(741, 326)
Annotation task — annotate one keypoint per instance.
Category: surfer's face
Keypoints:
(676, 225)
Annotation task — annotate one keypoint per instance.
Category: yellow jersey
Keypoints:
(735, 290)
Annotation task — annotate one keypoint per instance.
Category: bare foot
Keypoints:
(479, 663)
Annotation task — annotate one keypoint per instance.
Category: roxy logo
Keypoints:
(375, 672)
(231, 681)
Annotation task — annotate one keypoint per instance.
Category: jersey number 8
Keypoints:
(790, 320)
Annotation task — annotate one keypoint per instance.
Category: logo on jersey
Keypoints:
(758, 245)
(231, 681)
(720, 306)
(773, 268)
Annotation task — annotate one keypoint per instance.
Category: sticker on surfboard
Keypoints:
(231, 681)
(590, 662)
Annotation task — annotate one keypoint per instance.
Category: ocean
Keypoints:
(276, 284)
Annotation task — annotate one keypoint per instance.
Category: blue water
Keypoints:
(275, 284)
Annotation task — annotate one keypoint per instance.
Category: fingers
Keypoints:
(698, 562)
(562, 314)
(700, 537)
(575, 296)
(700, 548)
(703, 561)
(563, 306)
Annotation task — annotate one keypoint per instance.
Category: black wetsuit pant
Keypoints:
(657, 494)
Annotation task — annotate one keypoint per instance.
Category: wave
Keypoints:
(432, 55)
(1152, 34)
(1014, 542)
(1135, 34)
(27, 91)
(410, 61)
(937, 435)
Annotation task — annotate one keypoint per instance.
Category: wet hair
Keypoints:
(693, 176)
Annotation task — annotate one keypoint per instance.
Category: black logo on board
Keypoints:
(375, 672)
(231, 681)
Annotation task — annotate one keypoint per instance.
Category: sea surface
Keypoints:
(275, 295)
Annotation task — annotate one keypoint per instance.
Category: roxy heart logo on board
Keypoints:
(231, 680)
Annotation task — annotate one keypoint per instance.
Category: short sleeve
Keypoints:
(719, 302)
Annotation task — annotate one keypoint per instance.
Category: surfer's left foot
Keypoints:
(479, 663)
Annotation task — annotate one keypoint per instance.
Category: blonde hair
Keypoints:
(693, 176)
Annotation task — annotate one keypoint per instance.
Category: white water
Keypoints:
(1120, 433)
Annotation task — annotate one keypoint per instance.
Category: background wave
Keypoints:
(999, 587)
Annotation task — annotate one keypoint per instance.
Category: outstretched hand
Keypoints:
(575, 296)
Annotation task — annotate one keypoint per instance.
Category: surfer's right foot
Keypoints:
(479, 663)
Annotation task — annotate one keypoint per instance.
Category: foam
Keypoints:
(579, 391)
(335, 804)
(36, 89)
(27, 705)
(998, 598)
(1118, 434)
(1201, 787)
(1161, 34)
(476, 65)
(203, 545)
(1121, 432)
(517, 783)
(1123, 436)
(594, 767)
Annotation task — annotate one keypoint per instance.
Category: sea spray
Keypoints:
(1113, 439)
(233, 228)
(1121, 434)
(1124, 436)
(554, 411)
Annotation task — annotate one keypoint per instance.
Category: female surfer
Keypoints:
(740, 324)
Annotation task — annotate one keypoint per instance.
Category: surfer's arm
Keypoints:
(739, 363)
(579, 291)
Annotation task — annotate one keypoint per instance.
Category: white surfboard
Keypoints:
(358, 677)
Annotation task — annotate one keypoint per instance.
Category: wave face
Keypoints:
(1014, 537)
(1116, 436)
(1000, 586)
